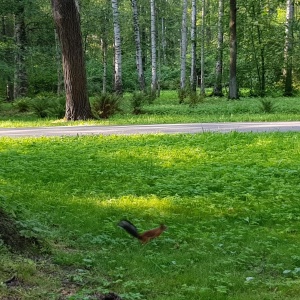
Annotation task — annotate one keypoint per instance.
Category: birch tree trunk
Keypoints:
(20, 74)
(233, 89)
(67, 21)
(137, 38)
(219, 63)
(118, 87)
(202, 81)
(153, 51)
(183, 46)
(288, 49)
(193, 79)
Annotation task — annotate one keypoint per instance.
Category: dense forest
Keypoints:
(181, 43)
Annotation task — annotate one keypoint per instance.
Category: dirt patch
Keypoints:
(11, 236)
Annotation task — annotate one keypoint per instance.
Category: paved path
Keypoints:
(147, 129)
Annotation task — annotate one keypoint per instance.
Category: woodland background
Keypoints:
(267, 43)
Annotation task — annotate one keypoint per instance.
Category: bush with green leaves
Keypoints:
(137, 101)
(22, 104)
(39, 106)
(57, 107)
(106, 105)
(267, 105)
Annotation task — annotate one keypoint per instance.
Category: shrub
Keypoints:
(57, 107)
(137, 100)
(195, 98)
(40, 106)
(22, 104)
(267, 105)
(106, 105)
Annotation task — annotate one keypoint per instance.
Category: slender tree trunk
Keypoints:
(153, 51)
(288, 49)
(233, 88)
(137, 38)
(262, 88)
(20, 76)
(104, 62)
(219, 64)
(60, 75)
(193, 79)
(183, 46)
(163, 40)
(118, 54)
(202, 81)
(67, 21)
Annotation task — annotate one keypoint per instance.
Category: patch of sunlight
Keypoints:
(260, 143)
(138, 202)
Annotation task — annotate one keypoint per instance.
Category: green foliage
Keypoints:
(22, 104)
(165, 109)
(267, 105)
(233, 225)
(137, 101)
(106, 105)
(39, 106)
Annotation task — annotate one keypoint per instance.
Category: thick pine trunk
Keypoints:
(67, 20)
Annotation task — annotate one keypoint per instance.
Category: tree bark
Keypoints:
(153, 51)
(193, 46)
(233, 89)
(20, 74)
(219, 63)
(202, 80)
(183, 46)
(137, 38)
(118, 54)
(67, 21)
(288, 49)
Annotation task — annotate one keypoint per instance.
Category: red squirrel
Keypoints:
(144, 237)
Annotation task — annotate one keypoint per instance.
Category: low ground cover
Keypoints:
(230, 201)
(167, 109)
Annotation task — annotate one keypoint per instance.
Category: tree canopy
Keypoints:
(266, 41)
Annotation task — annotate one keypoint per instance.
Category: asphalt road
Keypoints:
(150, 129)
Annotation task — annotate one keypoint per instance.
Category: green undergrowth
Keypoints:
(167, 109)
(230, 201)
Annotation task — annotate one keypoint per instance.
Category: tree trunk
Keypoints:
(219, 64)
(60, 75)
(288, 49)
(67, 21)
(137, 38)
(202, 81)
(193, 47)
(118, 54)
(183, 46)
(104, 62)
(233, 89)
(153, 51)
(20, 76)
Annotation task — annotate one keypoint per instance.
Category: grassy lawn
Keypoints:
(167, 110)
(230, 201)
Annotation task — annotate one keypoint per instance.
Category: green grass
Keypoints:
(230, 201)
(167, 110)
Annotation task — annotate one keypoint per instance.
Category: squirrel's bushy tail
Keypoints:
(130, 228)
